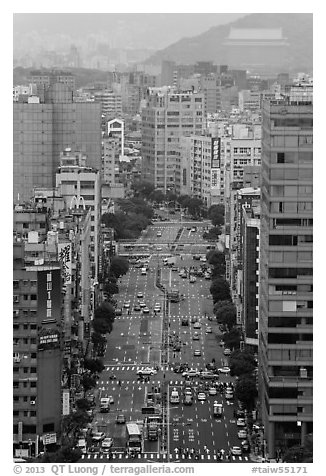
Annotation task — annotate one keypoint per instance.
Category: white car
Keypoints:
(242, 434)
(227, 352)
(197, 353)
(192, 279)
(212, 391)
(224, 370)
(98, 436)
(126, 305)
(229, 395)
(140, 295)
(111, 399)
(241, 422)
(107, 442)
(236, 451)
(142, 304)
(190, 373)
(145, 310)
(195, 336)
(197, 325)
(201, 396)
(159, 248)
(208, 330)
(146, 371)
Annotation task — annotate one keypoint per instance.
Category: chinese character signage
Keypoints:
(64, 252)
(65, 401)
(216, 153)
(49, 295)
(48, 339)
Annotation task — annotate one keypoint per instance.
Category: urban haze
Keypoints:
(163, 238)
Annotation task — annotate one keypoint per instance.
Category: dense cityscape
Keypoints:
(162, 253)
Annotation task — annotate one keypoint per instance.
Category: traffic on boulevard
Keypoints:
(166, 393)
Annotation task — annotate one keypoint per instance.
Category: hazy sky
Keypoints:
(125, 30)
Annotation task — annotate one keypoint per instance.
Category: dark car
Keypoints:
(245, 446)
(118, 312)
(120, 419)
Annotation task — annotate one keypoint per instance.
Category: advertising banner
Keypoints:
(64, 256)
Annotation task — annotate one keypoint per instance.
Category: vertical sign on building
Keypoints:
(64, 252)
(49, 295)
(216, 153)
(66, 401)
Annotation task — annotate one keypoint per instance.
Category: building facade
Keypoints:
(168, 116)
(286, 274)
(42, 130)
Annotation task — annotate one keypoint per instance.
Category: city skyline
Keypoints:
(200, 128)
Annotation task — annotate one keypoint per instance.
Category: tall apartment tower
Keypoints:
(42, 130)
(286, 274)
(168, 116)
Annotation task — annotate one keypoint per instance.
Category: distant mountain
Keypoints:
(296, 27)
(123, 30)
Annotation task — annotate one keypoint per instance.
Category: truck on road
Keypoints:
(134, 438)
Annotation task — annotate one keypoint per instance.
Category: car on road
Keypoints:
(197, 325)
(107, 443)
(177, 348)
(208, 330)
(224, 370)
(245, 445)
(120, 419)
(159, 233)
(145, 310)
(239, 413)
(118, 312)
(196, 257)
(192, 279)
(228, 394)
(159, 248)
(187, 391)
(111, 399)
(227, 351)
(185, 321)
(98, 436)
(146, 371)
(241, 422)
(195, 336)
(174, 268)
(142, 304)
(140, 295)
(236, 451)
(188, 399)
(212, 391)
(137, 308)
(242, 434)
(197, 353)
(94, 449)
(190, 373)
(207, 375)
(126, 305)
(194, 319)
(222, 343)
(201, 396)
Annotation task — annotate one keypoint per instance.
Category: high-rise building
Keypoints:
(76, 179)
(200, 164)
(210, 86)
(42, 130)
(169, 115)
(286, 273)
(111, 103)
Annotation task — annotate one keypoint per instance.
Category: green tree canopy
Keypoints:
(220, 290)
(102, 326)
(246, 391)
(225, 312)
(119, 266)
(241, 367)
(216, 214)
(110, 288)
(95, 366)
(88, 382)
(142, 189)
(232, 338)
(83, 404)
(157, 196)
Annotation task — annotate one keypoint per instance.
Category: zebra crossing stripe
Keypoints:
(208, 456)
(164, 456)
(152, 456)
(202, 456)
(158, 455)
(214, 456)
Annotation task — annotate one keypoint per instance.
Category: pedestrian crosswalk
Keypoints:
(162, 456)
(176, 383)
(130, 367)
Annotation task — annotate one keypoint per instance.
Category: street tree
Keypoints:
(298, 454)
(215, 257)
(216, 214)
(119, 266)
(66, 454)
(241, 367)
(72, 423)
(88, 382)
(83, 404)
(95, 366)
(246, 391)
(220, 290)
(194, 207)
(102, 326)
(225, 313)
(243, 355)
(110, 288)
(142, 189)
(232, 338)
(157, 196)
